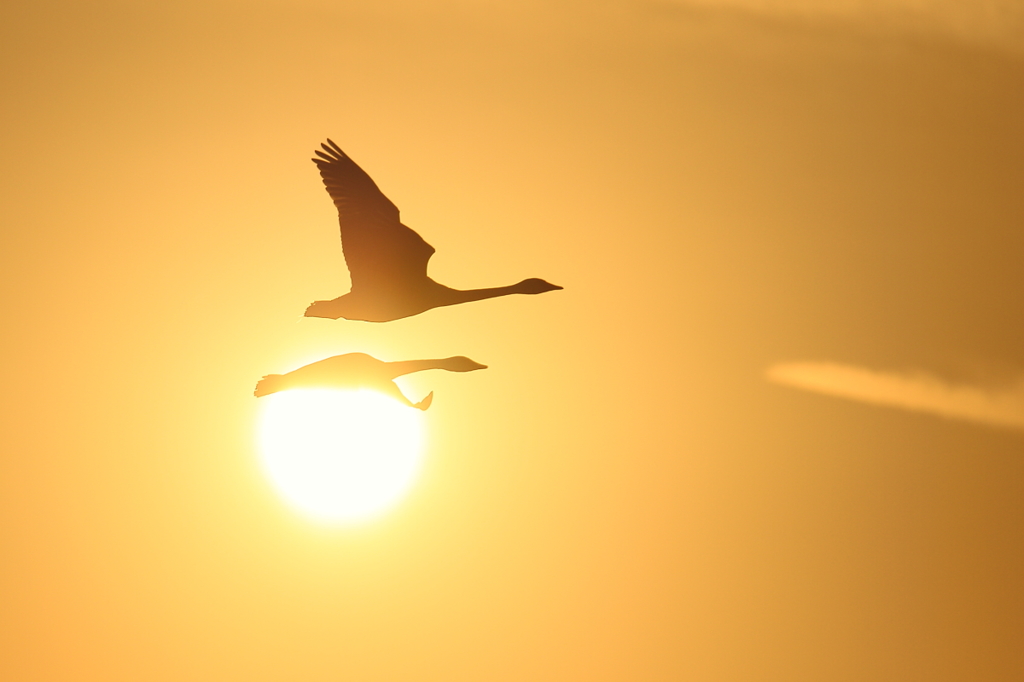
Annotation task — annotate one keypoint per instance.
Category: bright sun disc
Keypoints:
(340, 455)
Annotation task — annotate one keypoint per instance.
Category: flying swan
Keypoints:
(359, 370)
(387, 261)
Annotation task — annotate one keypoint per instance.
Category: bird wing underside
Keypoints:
(382, 257)
(378, 248)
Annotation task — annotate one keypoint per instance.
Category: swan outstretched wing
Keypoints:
(379, 249)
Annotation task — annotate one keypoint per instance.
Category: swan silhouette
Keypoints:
(359, 370)
(387, 261)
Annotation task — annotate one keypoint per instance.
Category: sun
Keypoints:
(340, 455)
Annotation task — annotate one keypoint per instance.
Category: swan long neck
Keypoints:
(467, 295)
(397, 369)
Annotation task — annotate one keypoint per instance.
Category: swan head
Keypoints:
(535, 286)
(460, 363)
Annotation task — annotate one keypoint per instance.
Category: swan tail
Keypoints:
(272, 383)
(325, 309)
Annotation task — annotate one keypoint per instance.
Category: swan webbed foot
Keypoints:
(425, 403)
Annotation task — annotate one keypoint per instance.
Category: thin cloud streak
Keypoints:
(917, 392)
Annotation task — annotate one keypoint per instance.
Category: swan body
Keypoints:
(359, 370)
(387, 260)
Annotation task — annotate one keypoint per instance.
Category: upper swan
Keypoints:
(387, 261)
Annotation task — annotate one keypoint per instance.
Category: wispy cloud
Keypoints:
(996, 24)
(919, 392)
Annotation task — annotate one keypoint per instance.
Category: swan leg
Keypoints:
(391, 389)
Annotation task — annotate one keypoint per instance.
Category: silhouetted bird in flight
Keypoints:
(386, 260)
(359, 370)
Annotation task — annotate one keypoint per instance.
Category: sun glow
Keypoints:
(340, 455)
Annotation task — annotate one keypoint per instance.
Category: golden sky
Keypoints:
(748, 204)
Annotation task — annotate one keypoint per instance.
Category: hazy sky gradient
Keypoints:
(621, 495)
(996, 24)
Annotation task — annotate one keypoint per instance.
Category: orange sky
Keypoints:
(622, 495)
